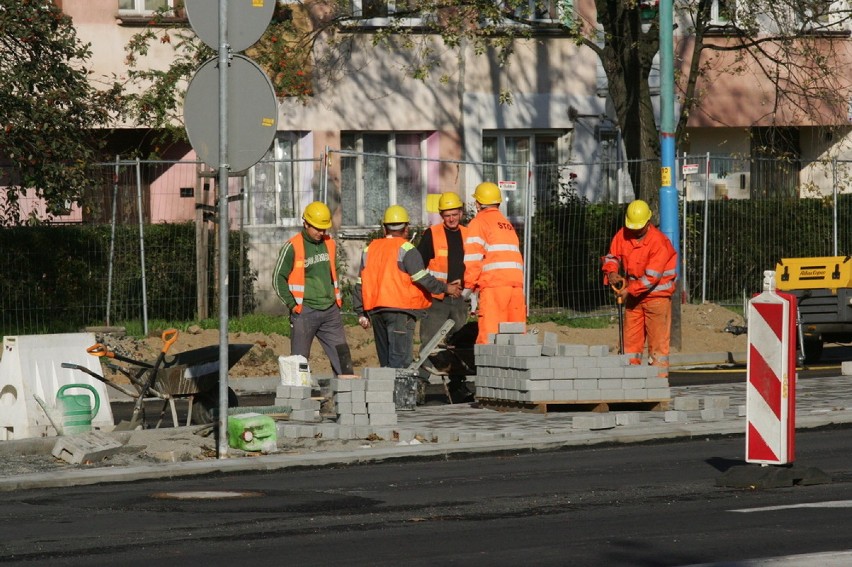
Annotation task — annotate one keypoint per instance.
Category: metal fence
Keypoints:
(152, 250)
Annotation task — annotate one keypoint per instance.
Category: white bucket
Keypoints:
(295, 371)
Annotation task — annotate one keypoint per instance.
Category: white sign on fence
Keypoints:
(689, 168)
(508, 185)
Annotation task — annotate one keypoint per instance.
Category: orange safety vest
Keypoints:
(439, 265)
(649, 264)
(383, 281)
(492, 253)
(296, 279)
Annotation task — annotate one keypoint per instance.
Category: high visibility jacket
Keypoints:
(439, 265)
(384, 281)
(492, 255)
(296, 280)
(648, 263)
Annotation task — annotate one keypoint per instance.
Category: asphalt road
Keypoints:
(654, 504)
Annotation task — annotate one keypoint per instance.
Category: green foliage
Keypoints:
(57, 279)
(50, 110)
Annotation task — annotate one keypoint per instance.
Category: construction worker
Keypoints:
(305, 279)
(494, 266)
(642, 268)
(393, 290)
(442, 249)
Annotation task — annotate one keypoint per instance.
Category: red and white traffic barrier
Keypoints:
(771, 389)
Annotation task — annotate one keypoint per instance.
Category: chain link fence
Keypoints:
(149, 250)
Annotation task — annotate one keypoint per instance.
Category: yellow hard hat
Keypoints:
(487, 193)
(395, 214)
(449, 201)
(317, 215)
(638, 215)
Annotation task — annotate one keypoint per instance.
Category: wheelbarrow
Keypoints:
(191, 375)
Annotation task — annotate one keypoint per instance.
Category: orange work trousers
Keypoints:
(649, 319)
(499, 305)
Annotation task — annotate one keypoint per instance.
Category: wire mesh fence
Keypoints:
(142, 245)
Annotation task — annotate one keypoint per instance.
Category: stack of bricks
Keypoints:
(365, 401)
(298, 399)
(516, 368)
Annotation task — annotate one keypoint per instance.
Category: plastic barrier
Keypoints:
(31, 366)
(771, 385)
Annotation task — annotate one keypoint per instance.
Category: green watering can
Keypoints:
(73, 413)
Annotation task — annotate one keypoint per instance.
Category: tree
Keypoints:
(50, 111)
(791, 42)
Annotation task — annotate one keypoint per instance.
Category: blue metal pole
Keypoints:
(668, 185)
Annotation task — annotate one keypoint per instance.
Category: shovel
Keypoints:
(618, 288)
(169, 337)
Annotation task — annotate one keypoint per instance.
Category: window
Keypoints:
(559, 12)
(508, 157)
(273, 188)
(144, 7)
(722, 12)
(382, 13)
(383, 169)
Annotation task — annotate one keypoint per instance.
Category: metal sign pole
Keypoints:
(222, 446)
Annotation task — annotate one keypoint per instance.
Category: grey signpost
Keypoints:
(229, 26)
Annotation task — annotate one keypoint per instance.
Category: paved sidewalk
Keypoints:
(431, 431)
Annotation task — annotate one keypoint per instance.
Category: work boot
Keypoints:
(458, 390)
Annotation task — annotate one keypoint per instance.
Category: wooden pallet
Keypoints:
(598, 406)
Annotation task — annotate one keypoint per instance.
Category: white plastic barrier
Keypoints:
(32, 366)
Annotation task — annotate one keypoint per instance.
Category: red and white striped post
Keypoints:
(771, 389)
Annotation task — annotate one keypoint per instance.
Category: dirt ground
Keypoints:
(701, 325)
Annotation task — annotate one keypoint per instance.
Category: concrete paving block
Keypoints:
(518, 341)
(446, 435)
(362, 419)
(598, 350)
(566, 373)
(380, 385)
(484, 350)
(343, 408)
(626, 419)
(589, 395)
(381, 419)
(612, 373)
(538, 396)
(549, 344)
(304, 415)
(405, 435)
(716, 402)
(359, 408)
(533, 385)
(573, 350)
(612, 394)
(282, 392)
(308, 431)
(585, 384)
(526, 350)
(846, 368)
(593, 422)
(659, 393)
(712, 414)
(297, 392)
(375, 408)
(346, 419)
(637, 394)
(676, 416)
(487, 435)
(466, 436)
(636, 371)
(686, 403)
(589, 373)
(384, 433)
(741, 411)
(338, 385)
(379, 374)
(328, 431)
(512, 328)
(378, 397)
(288, 430)
(359, 397)
(610, 384)
(358, 385)
(363, 431)
(346, 432)
(342, 397)
(560, 385)
(86, 448)
(565, 395)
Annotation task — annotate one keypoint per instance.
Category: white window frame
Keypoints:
(139, 8)
(717, 14)
(392, 186)
(276, 158)
(382, 22)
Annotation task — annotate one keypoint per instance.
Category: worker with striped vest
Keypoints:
(442, 248)
(305, 279)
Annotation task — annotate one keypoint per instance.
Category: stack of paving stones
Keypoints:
(516, 368)
(708, 408)
(367, 400)
(298, 398)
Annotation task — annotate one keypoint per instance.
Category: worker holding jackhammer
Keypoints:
(641, 266)
(393, 290)
(442, 249)
(305, 279)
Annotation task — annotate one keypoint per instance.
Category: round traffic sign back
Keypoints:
(252, 110)
(246, 21)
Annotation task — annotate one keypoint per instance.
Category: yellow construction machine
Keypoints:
(823, 290)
